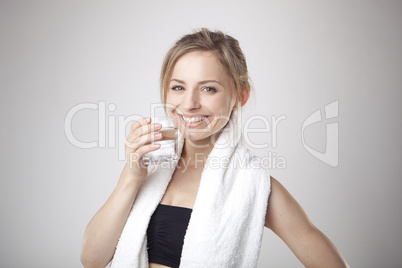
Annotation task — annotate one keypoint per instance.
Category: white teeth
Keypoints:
(192, 119)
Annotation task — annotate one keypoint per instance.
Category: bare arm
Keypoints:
(104, 230)
(286, 218)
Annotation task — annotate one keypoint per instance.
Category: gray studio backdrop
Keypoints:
(330, 68)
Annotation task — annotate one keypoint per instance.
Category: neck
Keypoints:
(195, 153)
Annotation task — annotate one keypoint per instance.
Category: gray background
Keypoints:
(302, 55)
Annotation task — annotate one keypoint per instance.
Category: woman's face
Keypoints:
(201, 95)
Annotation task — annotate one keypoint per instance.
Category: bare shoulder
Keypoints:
(287, 219)
(283, 208)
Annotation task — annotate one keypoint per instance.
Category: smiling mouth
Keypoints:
(193, 120)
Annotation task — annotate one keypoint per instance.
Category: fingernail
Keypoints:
(157, 125)
(158, 135)
(148, 120)
(155, 145)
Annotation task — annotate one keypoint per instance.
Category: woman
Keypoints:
(192, 214)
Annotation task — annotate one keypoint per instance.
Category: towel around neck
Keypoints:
(227, 222)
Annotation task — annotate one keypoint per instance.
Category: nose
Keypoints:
(191, 100)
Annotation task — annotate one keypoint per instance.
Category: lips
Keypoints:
(193, 120)
(193, 115)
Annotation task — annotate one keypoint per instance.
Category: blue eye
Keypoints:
(209, 89)
(177, 88)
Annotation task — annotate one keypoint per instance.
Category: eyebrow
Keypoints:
(200, 83)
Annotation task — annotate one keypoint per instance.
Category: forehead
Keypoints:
(199, 65)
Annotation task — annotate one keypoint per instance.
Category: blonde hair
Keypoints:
(225, 47)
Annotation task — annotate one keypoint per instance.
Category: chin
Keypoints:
(202, 138)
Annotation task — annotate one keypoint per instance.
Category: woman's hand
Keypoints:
(103, 231)
(138, 144)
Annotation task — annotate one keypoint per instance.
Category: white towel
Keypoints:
(227, 221)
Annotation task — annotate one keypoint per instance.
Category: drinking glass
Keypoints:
(169, 143)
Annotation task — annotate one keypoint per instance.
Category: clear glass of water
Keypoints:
(169, 142)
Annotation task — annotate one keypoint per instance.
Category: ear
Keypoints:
(244, 95)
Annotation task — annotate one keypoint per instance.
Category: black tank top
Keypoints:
(165, 234)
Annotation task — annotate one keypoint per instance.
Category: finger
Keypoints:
(142, 140)
(144, 150)
(145, 129)
(139, 123)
